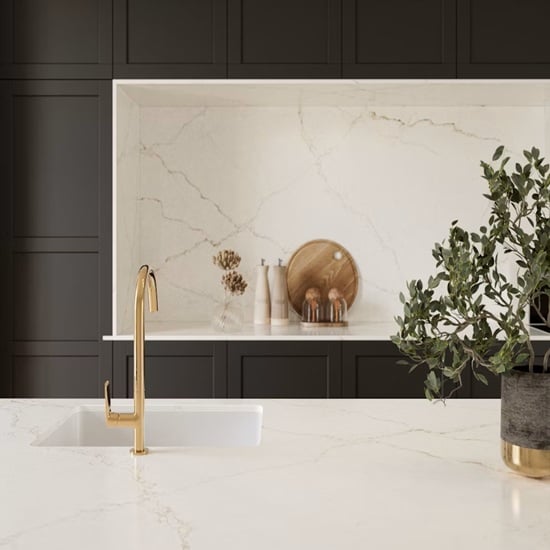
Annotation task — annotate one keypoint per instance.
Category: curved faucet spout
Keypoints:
(146, 277)
(152, 288)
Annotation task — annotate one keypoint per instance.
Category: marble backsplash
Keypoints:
(385, 182)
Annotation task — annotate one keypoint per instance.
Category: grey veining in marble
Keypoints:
(328, 474)
(384, 181)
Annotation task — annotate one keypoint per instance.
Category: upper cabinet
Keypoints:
(170, 38)
(56, 39)
(99, 39)
(503, 39)
(399, 39)
(285, 39)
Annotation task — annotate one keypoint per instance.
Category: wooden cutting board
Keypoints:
(323, 264)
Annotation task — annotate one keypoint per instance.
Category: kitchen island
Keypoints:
(328, 474)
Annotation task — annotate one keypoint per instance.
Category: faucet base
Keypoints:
(139, 453)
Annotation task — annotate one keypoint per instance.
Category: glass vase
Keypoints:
(228, 316)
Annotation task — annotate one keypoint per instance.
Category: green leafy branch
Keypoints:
(469, 315)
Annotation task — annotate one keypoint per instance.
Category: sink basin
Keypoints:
(191, 425)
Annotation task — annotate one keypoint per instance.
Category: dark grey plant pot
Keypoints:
(525, 421)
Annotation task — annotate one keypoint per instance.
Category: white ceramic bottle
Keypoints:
(279, 296)
(262, 302)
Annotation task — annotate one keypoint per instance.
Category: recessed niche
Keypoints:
(381, 167)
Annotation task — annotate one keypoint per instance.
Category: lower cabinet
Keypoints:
(173, 369)
(311, 369)
(238, 369)
(370, 370)
(478, 390)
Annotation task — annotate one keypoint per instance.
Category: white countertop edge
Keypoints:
(167, 332)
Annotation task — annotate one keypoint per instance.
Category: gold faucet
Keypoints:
(135, 420)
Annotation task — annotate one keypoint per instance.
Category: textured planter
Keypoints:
(525, 421)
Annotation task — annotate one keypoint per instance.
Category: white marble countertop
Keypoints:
(294, 331)
(329, 474)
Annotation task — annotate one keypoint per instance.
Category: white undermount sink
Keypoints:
(192, 425)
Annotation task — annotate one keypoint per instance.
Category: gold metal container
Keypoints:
(525, 461)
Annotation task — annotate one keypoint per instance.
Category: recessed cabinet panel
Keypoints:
(288, 38)
(382, 377)
(55, 31)
(370, 370)
(479, 390)
(173, 370)
(400, 38)
(170, 38)
(170, 32)
(284, 376)
(174, 377)
(55, 377)
(56, 38)
(284, 369)
(56, 166)
(503, 39)
(55, 296)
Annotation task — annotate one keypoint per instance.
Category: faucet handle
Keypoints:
(107, 393)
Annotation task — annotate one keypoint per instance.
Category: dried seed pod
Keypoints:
(227, 260)
(234, 283)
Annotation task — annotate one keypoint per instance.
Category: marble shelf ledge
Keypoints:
(203, 331)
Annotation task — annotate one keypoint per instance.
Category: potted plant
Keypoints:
(471, 315)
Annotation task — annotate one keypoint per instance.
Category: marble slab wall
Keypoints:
(385, 182)
(126, 246)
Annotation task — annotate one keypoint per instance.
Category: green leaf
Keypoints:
(498, 152)
(481, 378)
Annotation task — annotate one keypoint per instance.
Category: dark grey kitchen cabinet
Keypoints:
(285, 39)
(399, 39)
(370, 370)
(503, 39)
(56, 236)
(173, 369)
(170, 39)
(477, 389)
(56, 39)
(289, 369)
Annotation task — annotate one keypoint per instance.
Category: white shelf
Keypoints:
(179, 331)
(166, 332)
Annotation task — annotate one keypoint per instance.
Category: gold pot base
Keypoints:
(526, 461)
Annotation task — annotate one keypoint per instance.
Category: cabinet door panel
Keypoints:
(56, 296)
(174, 369)
(288, 38)
(370, 370)
(56, 234)
(56, 38)
(55, 377)
(56, 166)
(284, 369)
(399, 39)
(503, 39)
(170, 38)
(382, 377)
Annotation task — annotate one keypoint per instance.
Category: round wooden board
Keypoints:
(323, 264)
